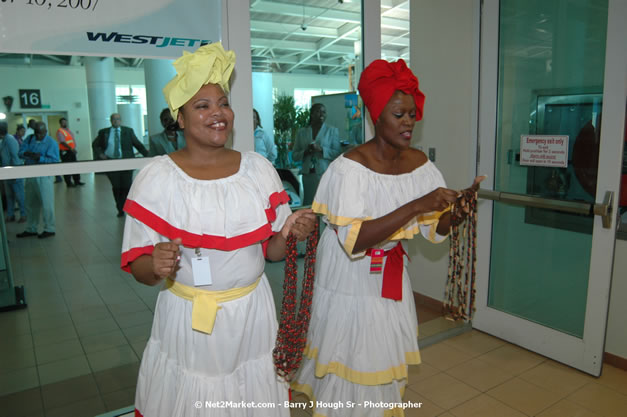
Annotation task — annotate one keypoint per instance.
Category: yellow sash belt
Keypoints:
(205, 303)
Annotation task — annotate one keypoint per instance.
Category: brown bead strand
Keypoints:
(459, 298)
(292, 334)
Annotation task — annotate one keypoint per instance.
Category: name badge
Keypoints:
(201, 270)
(376, 261)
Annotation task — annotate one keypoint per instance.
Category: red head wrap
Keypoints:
(381, 79)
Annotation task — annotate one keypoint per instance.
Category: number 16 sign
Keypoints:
(30, 99)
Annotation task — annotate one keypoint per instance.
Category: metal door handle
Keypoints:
(604, 209)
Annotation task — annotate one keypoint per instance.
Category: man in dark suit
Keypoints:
(117, 142)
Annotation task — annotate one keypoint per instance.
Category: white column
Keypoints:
(236, 37)
(100, 92)
(371, 47)
(131, 115)
(157, 73)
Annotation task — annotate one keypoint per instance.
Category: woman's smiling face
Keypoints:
(207, 118)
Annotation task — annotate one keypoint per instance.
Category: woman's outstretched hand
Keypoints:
(462, 200)
(301, 223)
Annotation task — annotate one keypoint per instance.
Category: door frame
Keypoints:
(585, 354)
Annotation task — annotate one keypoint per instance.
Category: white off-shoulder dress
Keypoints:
(226, 220)
(359, 344)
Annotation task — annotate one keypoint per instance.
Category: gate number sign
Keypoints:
(30, 99)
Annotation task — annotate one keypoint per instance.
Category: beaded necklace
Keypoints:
(459, 297)
(293, 325)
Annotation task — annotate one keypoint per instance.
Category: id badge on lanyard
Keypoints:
(200, 269)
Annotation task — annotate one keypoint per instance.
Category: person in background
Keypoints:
(30, 130)
(117, 142)
(13, 189)
(168, 141)
(264, 145)
(67, 150)
(200, 222)
(20, 133)
(363, 329)
(316, 145)
(39, 148)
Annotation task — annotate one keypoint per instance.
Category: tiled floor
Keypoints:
(75, 350)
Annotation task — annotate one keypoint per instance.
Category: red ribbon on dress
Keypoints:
(392, 286)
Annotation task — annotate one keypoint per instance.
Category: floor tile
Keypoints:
(103, 341)
(14, 323)
(21, 404)
(19, 380)
(512, 359)
(485, 406)
(89, 407)
(421, 407)
(63, 369)
(524, 396)
(115, 379)
(16, 359)
(94, 327)
(556, 378)
(445, 391)
(16, 343)
(568, 408)
(53, 321)
(442, 356)
(478, 374)
(57, 351)
(600, 399)
(419, 372)
(52, 336)
(614, 378)
(118, 399)
(139, 333)
(136, 318)
(90, 314)
(475, 342)
(435, 326)
(69, 391)
(111, 358)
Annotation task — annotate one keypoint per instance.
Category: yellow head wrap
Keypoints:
(209, 64)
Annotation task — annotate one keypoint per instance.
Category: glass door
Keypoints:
(554, 159)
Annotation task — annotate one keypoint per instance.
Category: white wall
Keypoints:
(616, 335)
(63, 88)
(444, 70)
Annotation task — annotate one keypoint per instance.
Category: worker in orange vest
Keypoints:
(67, 149)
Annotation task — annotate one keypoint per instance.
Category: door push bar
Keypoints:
(604, 209)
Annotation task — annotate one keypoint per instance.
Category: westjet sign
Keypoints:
(157, 41)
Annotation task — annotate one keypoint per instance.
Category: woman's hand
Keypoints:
(462, 200)
(165, 258)
(437, 200)
(301, 223)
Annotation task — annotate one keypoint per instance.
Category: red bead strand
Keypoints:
(292, 334)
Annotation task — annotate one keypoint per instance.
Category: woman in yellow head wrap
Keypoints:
(200, 221)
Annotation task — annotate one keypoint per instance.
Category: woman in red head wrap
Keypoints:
(363, 329)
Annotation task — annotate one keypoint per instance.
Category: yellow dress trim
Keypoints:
(430, 219)
(363, 378)
(205, 303)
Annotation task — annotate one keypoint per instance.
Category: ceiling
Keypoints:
(319, 36)
(295, 36)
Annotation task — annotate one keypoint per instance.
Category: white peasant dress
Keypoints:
(360, 344)
(227, 220)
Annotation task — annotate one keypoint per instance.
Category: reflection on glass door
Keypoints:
(551, 67)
